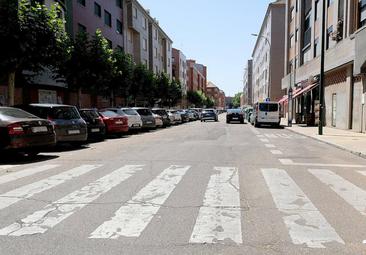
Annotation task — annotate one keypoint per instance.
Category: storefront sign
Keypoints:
(47, 96)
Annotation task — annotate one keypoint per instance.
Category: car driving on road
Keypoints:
(209, 114)
(235, 115)
(267, 113)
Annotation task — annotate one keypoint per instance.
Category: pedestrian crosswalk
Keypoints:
(283, 136)
(219, 218)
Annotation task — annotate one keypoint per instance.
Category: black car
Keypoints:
(184, 115)
(164, 114)
(147, 117)
(209, 114)
(23, 132)
(235, 115)
(94, 122)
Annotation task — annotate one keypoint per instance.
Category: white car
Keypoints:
(134, 119)
(177, 117)
(158, 120)
(267, 113)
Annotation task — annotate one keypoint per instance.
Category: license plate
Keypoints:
(74, 132)
(39, 129)
(119, 122)
(95, 130)
(149, 122)
(135, 125)
(235, 118)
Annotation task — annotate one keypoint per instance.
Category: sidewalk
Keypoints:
(343, 139)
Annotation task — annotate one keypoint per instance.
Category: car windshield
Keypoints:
(16, 113)
(234, 111)
(109, 114)
(89, 114)
(208, 111)
(144, 112)
(130, 111)
(64, 113)
(268, 107)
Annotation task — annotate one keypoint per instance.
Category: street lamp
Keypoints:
(321, 83)
(269, 64)
(290, 94)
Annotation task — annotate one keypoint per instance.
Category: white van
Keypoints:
(268, 113)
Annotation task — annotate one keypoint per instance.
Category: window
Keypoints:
(119, 26)
(155, 33)
(82, 2)
(307, 30)
(307, 56)
(156, 52)
(144, 44)
(135, 13)
(329, 2)
(97, 9)
(144, 24)
(297, 35)
(107, 18)
(292, 40)
(329, 35)
(119, 3)
(317, 9)
(316, 48)
(81, 28)
(362, 12)
(292, 11)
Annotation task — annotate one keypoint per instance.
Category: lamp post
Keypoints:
(322, 76)
(269, 64)
(290, 94)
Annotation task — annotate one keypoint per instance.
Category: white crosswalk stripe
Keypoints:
(131, 219)
(363, 172)
(219, 217)
(24, 173)
(27, 191)
(43, 220)
(352, 194)
(5, 167)
(306, 225)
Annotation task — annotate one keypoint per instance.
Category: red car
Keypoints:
(115, 124)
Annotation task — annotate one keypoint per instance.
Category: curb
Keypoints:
(357, 153)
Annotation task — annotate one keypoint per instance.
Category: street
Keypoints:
(198, 188)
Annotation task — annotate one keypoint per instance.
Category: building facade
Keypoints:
(197, 76)
(268, 54)
(247, 97)
(345, 57)
(179, 69)
(216, 94)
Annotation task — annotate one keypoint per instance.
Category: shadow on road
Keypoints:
(19, 159)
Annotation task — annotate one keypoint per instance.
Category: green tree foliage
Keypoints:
(210, 103)
(32, 38)
(174, 93)
(236, 100)
(197, 98)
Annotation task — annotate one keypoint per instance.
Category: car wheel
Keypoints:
(256, 124)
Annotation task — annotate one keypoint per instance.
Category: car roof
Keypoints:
(140, 108)
(51, 105)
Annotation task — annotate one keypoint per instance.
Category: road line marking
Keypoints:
(289, 162)
(219, 217)
(24, 173)
(5, 167)
(363, 172)
(27, 191)
(276, 152)
(264, 140)
(133, 217)
(41, 221)
(270, 145)
(353, 195)
(304, 221)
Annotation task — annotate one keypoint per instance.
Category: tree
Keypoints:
(175, 93)
(139, 76)
(210, 103)
(197, 98)
(162, 87)
(236, 100)
(32, 38)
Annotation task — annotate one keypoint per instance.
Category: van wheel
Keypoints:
(256, 124)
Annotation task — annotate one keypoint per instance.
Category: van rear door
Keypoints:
(269, 113)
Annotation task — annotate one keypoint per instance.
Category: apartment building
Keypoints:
(247, 97)
(345, 57)
(179, 69)
(146, 41)
(216, 94)
(106, 15)
(197, 76)
(268, 54)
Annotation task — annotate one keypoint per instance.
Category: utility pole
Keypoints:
(322, 75)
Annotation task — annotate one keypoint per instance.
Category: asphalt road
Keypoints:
(198, 188)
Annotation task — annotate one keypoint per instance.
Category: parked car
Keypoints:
(164, 114)
(94, 122)
(209, 114)
(235, 115)
(115, 124)
(24, 132)
(184, 115)
(148, 120)
(195, 114)
(175, 116)
(191, 115)
(158, 120)
(67, 122)
(267, 113)
(198, 110)
(134, 119)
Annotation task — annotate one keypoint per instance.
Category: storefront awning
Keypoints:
(284, 99)
(304, 90)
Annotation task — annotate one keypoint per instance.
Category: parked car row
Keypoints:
(33, 128)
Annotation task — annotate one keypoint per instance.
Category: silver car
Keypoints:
(134, 119)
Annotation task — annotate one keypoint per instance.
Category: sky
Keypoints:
(213, 32)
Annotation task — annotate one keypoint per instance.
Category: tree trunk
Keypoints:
(11, 88)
